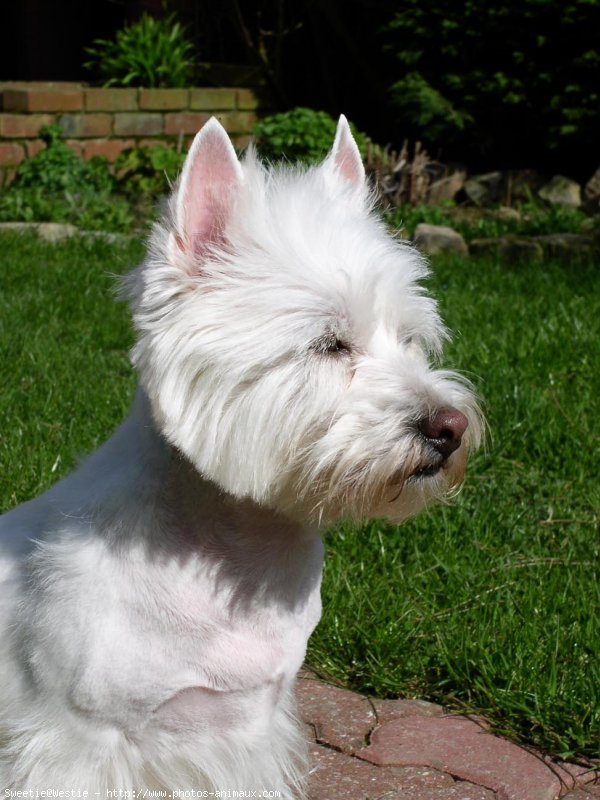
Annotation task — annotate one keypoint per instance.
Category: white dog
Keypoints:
(155, 606)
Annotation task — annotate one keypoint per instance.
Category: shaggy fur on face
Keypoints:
(155, 605)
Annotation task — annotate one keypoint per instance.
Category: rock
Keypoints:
(522, 185)
(561, 191)
(509, 248)
(566, 246)
(591, 190)
(505, 214)
(446, 189)
(48, 231)
(435, 239)
(484, 189)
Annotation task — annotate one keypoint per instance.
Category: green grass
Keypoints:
(64, 368)
(490, 603)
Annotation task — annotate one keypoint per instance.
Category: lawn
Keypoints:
(489, 603)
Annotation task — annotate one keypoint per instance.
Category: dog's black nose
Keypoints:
(444, 430)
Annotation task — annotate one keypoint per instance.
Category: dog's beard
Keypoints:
(395, 485)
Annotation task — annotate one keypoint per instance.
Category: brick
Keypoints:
(237, 121)
(140, 124)
(108, 148)
(75, 145)
(111, 99)
(184, 122)
(154, 142)
(212, 99)
(163, 99)
(468, 751)
(11, 153)
(50, 98)
(7, 175)
(23, 126)
(246, 100)
(80, 126)
(34, 146)
(341, 719)
(241, 142)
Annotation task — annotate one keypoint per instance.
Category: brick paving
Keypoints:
(369, 749)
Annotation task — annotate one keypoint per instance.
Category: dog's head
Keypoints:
(285, 342)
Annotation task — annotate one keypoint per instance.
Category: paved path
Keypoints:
(366, 749)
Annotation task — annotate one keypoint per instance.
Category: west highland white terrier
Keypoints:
(156, 605)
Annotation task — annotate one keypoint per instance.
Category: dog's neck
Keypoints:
(179, 514)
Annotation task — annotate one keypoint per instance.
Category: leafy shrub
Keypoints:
(150, 52)
(148, 172)
(57, 168)
(300, 135)
(58, 186)
(512, 76)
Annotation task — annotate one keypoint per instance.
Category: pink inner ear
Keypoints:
(210, 178)
(346, 154)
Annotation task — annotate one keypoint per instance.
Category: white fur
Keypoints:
(155, 605)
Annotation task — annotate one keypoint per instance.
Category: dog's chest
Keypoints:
(196, 649)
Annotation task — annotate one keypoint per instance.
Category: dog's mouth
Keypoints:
(419, 473)
(427, 471)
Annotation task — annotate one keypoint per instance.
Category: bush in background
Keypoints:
(507, 78)
(301, 134)
(150, 52)
(56, 185)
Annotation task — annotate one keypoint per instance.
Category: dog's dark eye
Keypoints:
(330, 343)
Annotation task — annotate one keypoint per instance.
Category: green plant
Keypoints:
(150, 52)
(56, 185)
(301, 134)
(148, 171)
(512, 76)
(57, 168)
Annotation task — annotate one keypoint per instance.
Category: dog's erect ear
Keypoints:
(209, 180)
(345, 156)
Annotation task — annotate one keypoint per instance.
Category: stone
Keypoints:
(591, 191)
(436, 239)
(566, 246)
(561, 191)
(387, 710)
(340, 718)
(484, 189)
(522, 185)
(467, 750)
(48, 231)
(505, 214)
(445, 189)
(512, 249)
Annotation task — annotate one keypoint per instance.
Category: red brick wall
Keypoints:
(107, 121)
